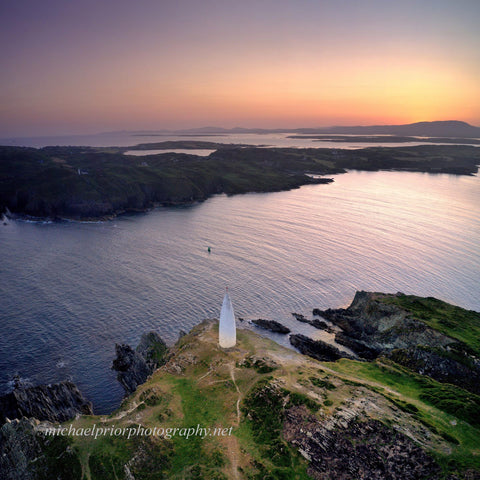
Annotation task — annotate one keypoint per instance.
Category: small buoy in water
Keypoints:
(209, 249)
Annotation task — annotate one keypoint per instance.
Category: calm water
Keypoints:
(69, 291)
(125, 139)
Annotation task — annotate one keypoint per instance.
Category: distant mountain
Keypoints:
(449, 128)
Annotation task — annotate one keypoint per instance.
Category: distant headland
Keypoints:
(445, 128)
(101, 182)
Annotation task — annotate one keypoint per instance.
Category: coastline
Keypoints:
(97, 184)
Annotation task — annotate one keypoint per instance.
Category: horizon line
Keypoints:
(218, 129)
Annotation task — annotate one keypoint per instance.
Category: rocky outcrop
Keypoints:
(153, 349)
(349, 448)
(131, 367)
(317, 349)
(373, 326)
(271, 325)
(361, 348)
(300, 317)
(55, 402)
(134, 366)
(380, 326)
(320, 324)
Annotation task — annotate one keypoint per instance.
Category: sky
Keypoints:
(82, 66)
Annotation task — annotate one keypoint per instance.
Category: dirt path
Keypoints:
(123, 413)
(232, 376)
(233, 449)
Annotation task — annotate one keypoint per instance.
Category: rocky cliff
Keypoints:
(55, 402)
(134, 366)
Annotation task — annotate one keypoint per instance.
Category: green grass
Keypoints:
(108, 455)
(322, 383)
(261, 431)
(204, 407)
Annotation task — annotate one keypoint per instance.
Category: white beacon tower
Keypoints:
(227, 334)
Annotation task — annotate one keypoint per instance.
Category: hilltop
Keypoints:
(274, 413)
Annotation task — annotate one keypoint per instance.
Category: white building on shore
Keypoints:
(227, 332)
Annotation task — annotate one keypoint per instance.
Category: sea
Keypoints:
(70, 291)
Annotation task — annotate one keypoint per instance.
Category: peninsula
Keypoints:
(97, 183)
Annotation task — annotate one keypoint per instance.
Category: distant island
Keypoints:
(449, 128)
(386, 139)
(402, 403)
(101, 182)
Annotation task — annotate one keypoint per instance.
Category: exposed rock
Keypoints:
(134, 366)
(181, 333)
(358, 346)
(57, 402)
(317, 348)
(26, 453)
(300, 317)
(131, 367)
(260, 364)
(272, 325)
(382, 327)
(348, 448)
(320, 324)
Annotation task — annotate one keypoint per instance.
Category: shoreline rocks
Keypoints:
(317, 323)
(300, 317)
(318, 349)
(271, 325)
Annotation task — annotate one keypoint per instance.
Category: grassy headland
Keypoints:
(268, 396)
(273, 414)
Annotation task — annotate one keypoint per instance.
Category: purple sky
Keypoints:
(87, 66)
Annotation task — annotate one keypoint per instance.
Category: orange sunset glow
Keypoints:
(259, 64)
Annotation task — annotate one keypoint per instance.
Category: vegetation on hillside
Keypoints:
(87, 182)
